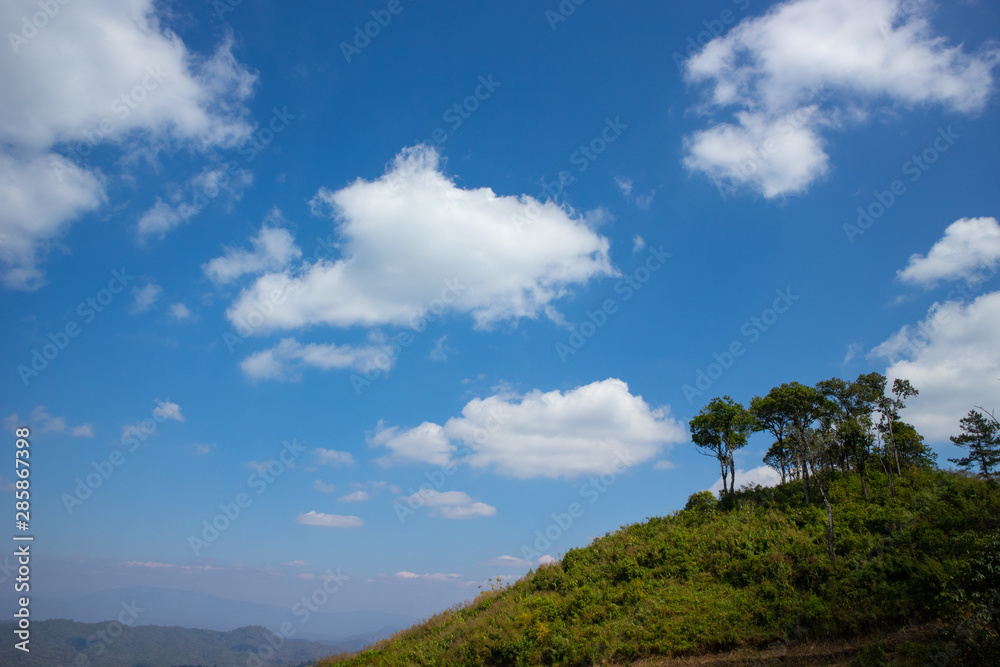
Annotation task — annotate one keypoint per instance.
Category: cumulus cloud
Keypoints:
(40, 196)
(284, 361)
(273, 250)
(412, 240)
(145, 297)
(952, 359)
(449, 504)
(356, 497)
(102, 72)
(587, 430)
(323, 487)
(808, 65)
(968, 245)
(314, 518)
(82, 431)
(331, 457)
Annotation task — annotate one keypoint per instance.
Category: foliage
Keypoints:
(708, 578)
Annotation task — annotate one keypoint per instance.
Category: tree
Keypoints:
(769, 415)
(720, 429)
(911, 447)
(980, 436)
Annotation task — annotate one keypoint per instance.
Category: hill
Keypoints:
(111, 644)
(916, 581)
(193, 609)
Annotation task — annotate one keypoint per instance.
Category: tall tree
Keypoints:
(720, 429)
(980, 436)
(769, 414)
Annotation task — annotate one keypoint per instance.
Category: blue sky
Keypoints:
(499, 251)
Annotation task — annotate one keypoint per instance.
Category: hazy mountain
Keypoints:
(61, 642)
(190, 609)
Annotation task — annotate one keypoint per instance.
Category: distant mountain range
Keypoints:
(190, 609)
(60, 642)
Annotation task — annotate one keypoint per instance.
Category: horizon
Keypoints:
(376, 302)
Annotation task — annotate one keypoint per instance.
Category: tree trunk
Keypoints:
(829, 518)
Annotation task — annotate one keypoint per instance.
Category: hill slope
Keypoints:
(752, 575)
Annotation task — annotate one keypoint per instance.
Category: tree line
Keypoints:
(835, 427)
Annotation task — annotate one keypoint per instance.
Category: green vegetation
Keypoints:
(866, 544)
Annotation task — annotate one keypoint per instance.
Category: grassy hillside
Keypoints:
(62, 642)
(752, 575)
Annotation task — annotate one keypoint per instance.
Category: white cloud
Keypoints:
(356, 497)
(323, 487)
(763, 475)
(952, 359)
(203, 449)
(46, 423)
(811, 64)
(517, 563)
(624, 185)
(179, 311)
(405, 248)
(314, 518)
(273, 250)
(587, 430)
(190, 200)
(436, 576)
(331, 457)
(450, 504)
(968, 245)
(284, 361)
(638, 243)
(426, 443)
(162, 219)
(40, 195)
(663, 465)
(145, 297)
(852, 351)
(168, 410)
(100, 72)
(440, 351)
